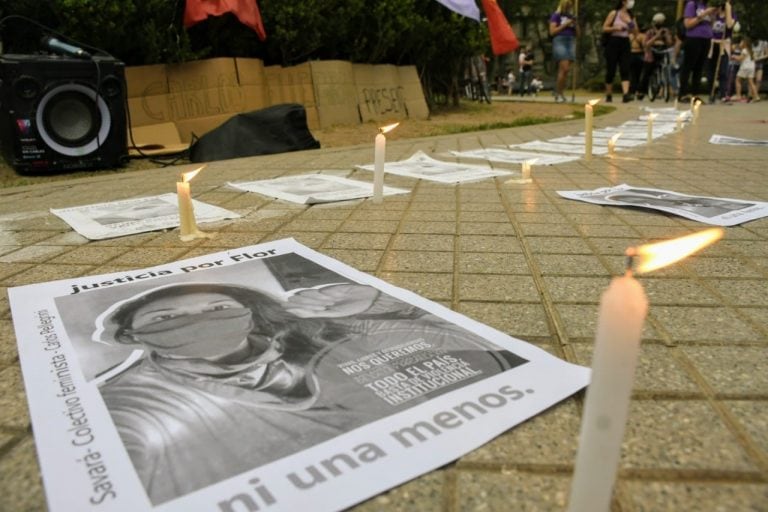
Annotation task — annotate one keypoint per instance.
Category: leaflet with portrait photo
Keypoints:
(514, 157)
(136, 215)
(718, 211)
(422, 166)
(268, 377)
(313, 188)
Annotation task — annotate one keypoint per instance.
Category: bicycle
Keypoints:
(660, 81)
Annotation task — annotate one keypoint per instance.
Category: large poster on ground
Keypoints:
(268, 377)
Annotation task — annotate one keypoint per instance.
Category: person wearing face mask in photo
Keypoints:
(619, 24)
(232, 379)
(697, 17)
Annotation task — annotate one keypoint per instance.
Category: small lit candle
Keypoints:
(187, 223)
(696, 107)
(379, 150)
(588, 121)
(651, 117)
(612, 145)
(621, 316)
(680, 119)
(525, 172)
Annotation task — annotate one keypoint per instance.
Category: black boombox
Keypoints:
(61, 113)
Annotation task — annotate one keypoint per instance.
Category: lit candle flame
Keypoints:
(654, 256)
(187, 176)
(652, 116)
(681, 116)
(592, 103)
(613, 140)
(388, 128)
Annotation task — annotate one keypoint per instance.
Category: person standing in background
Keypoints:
(720, 51)
(636, 64)
(760, 51)
(564, 30)
(698, 18)
(619, 23)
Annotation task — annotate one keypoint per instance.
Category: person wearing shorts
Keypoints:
(563, 29)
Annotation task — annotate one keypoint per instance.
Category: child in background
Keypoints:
(746, 71)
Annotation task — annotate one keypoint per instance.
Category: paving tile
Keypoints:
(529, 492)
(741, 292)
(486, 228)
(517, 320)
(425, 494)
(492, 263)
(729, 371)
(704, 325)
(367, 261)
(8, 352)
(21, 487)
(705, 497)
(417, 242)
(580, 321)
(557, 245)
(489, 243)
(497, 288)
(556, 264)
(90, 254)
(680, 434)
(657, 369)
(753, 417)
(432, 286)
(418, 261)
(13, 405)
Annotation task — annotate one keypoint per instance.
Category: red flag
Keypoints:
(503, 38)
(247, 11)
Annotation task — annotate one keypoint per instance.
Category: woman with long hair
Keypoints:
(564, 29)
(618, 25)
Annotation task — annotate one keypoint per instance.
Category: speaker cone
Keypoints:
(73, 120)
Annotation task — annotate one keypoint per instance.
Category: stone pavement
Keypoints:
(517, 257)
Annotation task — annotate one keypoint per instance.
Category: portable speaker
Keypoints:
(61, 114)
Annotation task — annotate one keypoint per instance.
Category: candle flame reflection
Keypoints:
(388, 128)
(654, 256)
(187, 176)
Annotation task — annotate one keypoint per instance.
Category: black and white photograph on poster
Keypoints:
(718, 211)
(137, 215)
(633, 133)
(266, 376)
(735, 141)
(313, 188)
(422, 166)
(514, 157)
(599, 140)
(554, 147)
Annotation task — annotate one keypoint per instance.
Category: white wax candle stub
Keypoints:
(588, 124)
(187, 222)
(622, 312)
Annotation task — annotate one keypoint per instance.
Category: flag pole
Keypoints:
(576, 48)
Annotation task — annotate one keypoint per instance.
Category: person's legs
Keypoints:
(697, 65)
(624, 56)
(738, 86)
(611, 61)
(635, 72)
(563, 67)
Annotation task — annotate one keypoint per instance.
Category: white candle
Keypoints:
(187, 222)
(525, 172)
(379, 150)
(623, 307)
(696, 106)
(378, 167)
(680, 119)
(651, 117)
(612, 144)
(588, 121)
(620, 320)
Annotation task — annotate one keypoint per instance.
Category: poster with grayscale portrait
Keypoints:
(268, 377)
(422, 166)
(718, 211)
(136, 215)
(313, 188)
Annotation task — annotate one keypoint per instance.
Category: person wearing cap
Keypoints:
(232, 379)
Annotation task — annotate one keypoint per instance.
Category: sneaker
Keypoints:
(626, 98)
(640, 97)
(608, 98)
